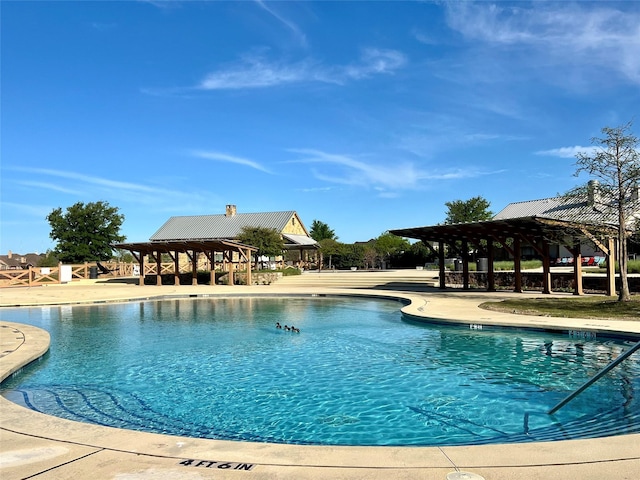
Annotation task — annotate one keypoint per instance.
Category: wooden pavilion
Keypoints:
(192, 248)
(512, 234)
(590, 218)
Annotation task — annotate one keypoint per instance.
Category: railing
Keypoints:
(30, 277)
(34, 276)
(596, 377)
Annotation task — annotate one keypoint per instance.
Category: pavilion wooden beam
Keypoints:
(194, 267)
(465, 265)
(247, 256)
(576, 251)
(141, 277)
(491, 281)
(158, 257)
(517, 265)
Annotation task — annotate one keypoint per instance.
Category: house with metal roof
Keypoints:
(229, 225)
(215, 236)
(589, 209)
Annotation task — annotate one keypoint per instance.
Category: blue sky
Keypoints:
(367, 116)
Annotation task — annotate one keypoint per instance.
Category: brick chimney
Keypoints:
(231, 211)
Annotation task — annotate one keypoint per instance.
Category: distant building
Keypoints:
(228, 226)
(592, 208)
(16, 261)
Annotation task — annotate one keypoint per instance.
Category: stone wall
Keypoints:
(560, 282)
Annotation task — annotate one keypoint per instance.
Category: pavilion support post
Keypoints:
(546, 267)
(517, 266)
(158, 268)
(465, 265)
(141, 262)
(231, 271)
(576, 251)
(194, 268)
(441, 265)
(491, 278)
(212, 272)
(247, 255)
(611, 267)
(176, 267)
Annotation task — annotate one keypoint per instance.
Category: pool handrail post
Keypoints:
(596, 377)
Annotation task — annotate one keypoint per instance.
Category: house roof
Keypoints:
(547, 218)
(219, 226)
(16, 260)
(298, 240)
(569, 209)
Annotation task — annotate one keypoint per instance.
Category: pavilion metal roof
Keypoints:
(299, 240)
(183, 246)
(551, 219)
(577, 210)
(528, 227)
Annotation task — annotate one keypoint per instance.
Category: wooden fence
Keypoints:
(34, 276)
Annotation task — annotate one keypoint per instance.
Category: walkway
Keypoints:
(33, 445)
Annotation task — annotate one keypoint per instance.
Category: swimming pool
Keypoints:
(358, 373)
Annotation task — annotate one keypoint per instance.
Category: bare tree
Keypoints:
(615, 163)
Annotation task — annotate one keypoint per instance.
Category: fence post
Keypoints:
(30, 274)
(59, 273)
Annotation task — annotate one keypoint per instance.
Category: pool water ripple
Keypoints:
(357, 374)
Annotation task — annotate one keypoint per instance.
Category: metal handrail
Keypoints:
(596, 377)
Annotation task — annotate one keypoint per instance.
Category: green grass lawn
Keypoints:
(573, 307)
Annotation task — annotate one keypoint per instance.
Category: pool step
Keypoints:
(378, 279)
(92, 404)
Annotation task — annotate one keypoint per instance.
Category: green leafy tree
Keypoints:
(85, 233)
(268, 241)
(389, 245)
(49, 260)
(475, 209)
(321, 231)
(349, 255)
(417, 255)
(615, 163)
(329, 248)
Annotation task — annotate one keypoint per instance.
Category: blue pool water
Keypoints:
(358, 373)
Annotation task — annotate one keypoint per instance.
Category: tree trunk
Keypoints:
(623, 257)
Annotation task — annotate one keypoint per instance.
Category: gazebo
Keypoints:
(511, 234)
(192, 248)
(571, 222)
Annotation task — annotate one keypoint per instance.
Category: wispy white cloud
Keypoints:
(81, 184)
(566, 152)
(287, 23)
(568, 35)
(315, 189)
(388, 176)
(30, 210)
(92, 180)
(223, 157)
(255, 71)
(49, 186)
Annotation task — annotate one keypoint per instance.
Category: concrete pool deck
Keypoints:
(33, 445)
